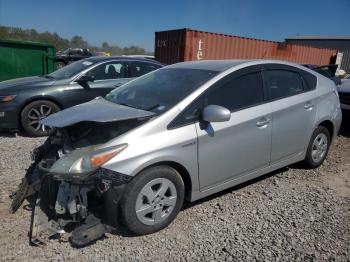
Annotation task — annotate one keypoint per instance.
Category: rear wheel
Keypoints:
(152, 200)
(33, 113)
(318, 147)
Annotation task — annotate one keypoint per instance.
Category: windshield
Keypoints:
(71, 69)
(160, 90)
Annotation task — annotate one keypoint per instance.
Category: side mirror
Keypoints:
(214, 113)
(84, 79)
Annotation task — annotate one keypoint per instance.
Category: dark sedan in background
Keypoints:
(25, 101)
(71, 55)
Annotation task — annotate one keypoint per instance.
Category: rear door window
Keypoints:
(137, 68)
(282, 83)
(106, 71)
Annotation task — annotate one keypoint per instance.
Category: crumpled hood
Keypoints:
(20, 83)
(97, 110)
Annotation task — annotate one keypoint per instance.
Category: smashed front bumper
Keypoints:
(80, 207)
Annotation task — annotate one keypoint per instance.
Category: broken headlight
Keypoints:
(95, 159)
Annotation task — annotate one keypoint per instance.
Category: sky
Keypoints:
(125, 23)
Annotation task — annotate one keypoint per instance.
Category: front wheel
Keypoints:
(318, 147)
(152, 200)
(33, 113)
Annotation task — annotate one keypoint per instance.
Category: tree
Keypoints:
(105, 46)
(61, 43)
(78, 42)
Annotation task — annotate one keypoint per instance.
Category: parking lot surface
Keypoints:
(291, 214)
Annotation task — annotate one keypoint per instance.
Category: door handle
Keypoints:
(308, 106)
(263, 122)
(118, 84)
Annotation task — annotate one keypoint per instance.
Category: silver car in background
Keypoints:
(185, 131)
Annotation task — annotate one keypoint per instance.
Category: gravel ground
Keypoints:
(291, 214)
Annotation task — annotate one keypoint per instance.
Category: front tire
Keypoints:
(33, 113)
(318, 147)
(152, 200)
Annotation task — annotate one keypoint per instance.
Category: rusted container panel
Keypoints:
(186, 45)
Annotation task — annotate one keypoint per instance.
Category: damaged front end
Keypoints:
(77, 206)
(69, 189)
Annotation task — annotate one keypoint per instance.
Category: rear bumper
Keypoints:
(9, 118)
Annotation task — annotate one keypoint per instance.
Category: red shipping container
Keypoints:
(186, 45)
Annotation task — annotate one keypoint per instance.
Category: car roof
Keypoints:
(124, 58)
(223, 65)
(214, 65)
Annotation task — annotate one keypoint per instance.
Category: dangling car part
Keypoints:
(65, 208)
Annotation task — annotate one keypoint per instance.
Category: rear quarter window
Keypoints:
(310, 80)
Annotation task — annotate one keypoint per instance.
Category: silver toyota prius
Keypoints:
(184, 131)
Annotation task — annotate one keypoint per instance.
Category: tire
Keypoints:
(320, 151)
(133, 199)
(60, 64)
(33, 113)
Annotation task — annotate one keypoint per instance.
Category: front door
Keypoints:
(228, 150)
(108, 76)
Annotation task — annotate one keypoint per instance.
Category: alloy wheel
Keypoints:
(38, 113)
(156, 201)
(319, 147)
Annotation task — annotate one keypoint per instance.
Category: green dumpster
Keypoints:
(20, 59)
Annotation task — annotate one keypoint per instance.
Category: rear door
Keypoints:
(293, 110)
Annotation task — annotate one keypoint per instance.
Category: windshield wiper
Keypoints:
(147, 109)
(152, 107)
(124, 104)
